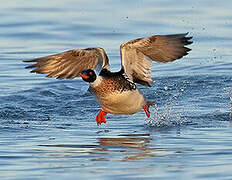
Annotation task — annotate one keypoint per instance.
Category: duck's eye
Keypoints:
(91, 73)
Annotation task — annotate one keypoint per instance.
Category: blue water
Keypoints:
(48, 128)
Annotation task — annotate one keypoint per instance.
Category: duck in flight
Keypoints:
(116, 92)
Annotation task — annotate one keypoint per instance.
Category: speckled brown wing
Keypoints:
(137, 55)
(68, 65)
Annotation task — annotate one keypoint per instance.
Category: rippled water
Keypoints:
(48, 128)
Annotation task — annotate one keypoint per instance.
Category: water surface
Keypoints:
(48, 128)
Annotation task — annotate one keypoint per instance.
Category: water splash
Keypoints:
(228, 94)
(230, 107)
(167, 116)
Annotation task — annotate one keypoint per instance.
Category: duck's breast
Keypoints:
(117, 96)
(127, 102)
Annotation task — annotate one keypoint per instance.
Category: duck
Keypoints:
(116, 92)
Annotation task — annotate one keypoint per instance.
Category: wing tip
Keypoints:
(26, 61)
(30, 66)
(186, 40)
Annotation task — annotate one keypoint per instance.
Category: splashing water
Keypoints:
(167, 116)
(228, 95)
(231, 106)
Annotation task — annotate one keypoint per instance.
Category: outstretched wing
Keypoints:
(137, 55)
(68, 65)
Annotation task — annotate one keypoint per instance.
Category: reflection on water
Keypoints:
(127, 147)
(135, 147)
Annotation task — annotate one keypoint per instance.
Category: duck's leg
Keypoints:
(146, 107)
(146, 111)
(101, 117)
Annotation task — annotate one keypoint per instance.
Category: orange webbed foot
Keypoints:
(146, 111)
(101, 117)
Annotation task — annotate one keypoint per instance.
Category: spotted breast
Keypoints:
(116, 94)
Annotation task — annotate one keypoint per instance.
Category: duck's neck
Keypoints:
(96, 82)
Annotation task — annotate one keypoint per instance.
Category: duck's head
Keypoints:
(88, 75)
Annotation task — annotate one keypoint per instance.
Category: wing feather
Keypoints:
(68, 65)
(137, 55)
